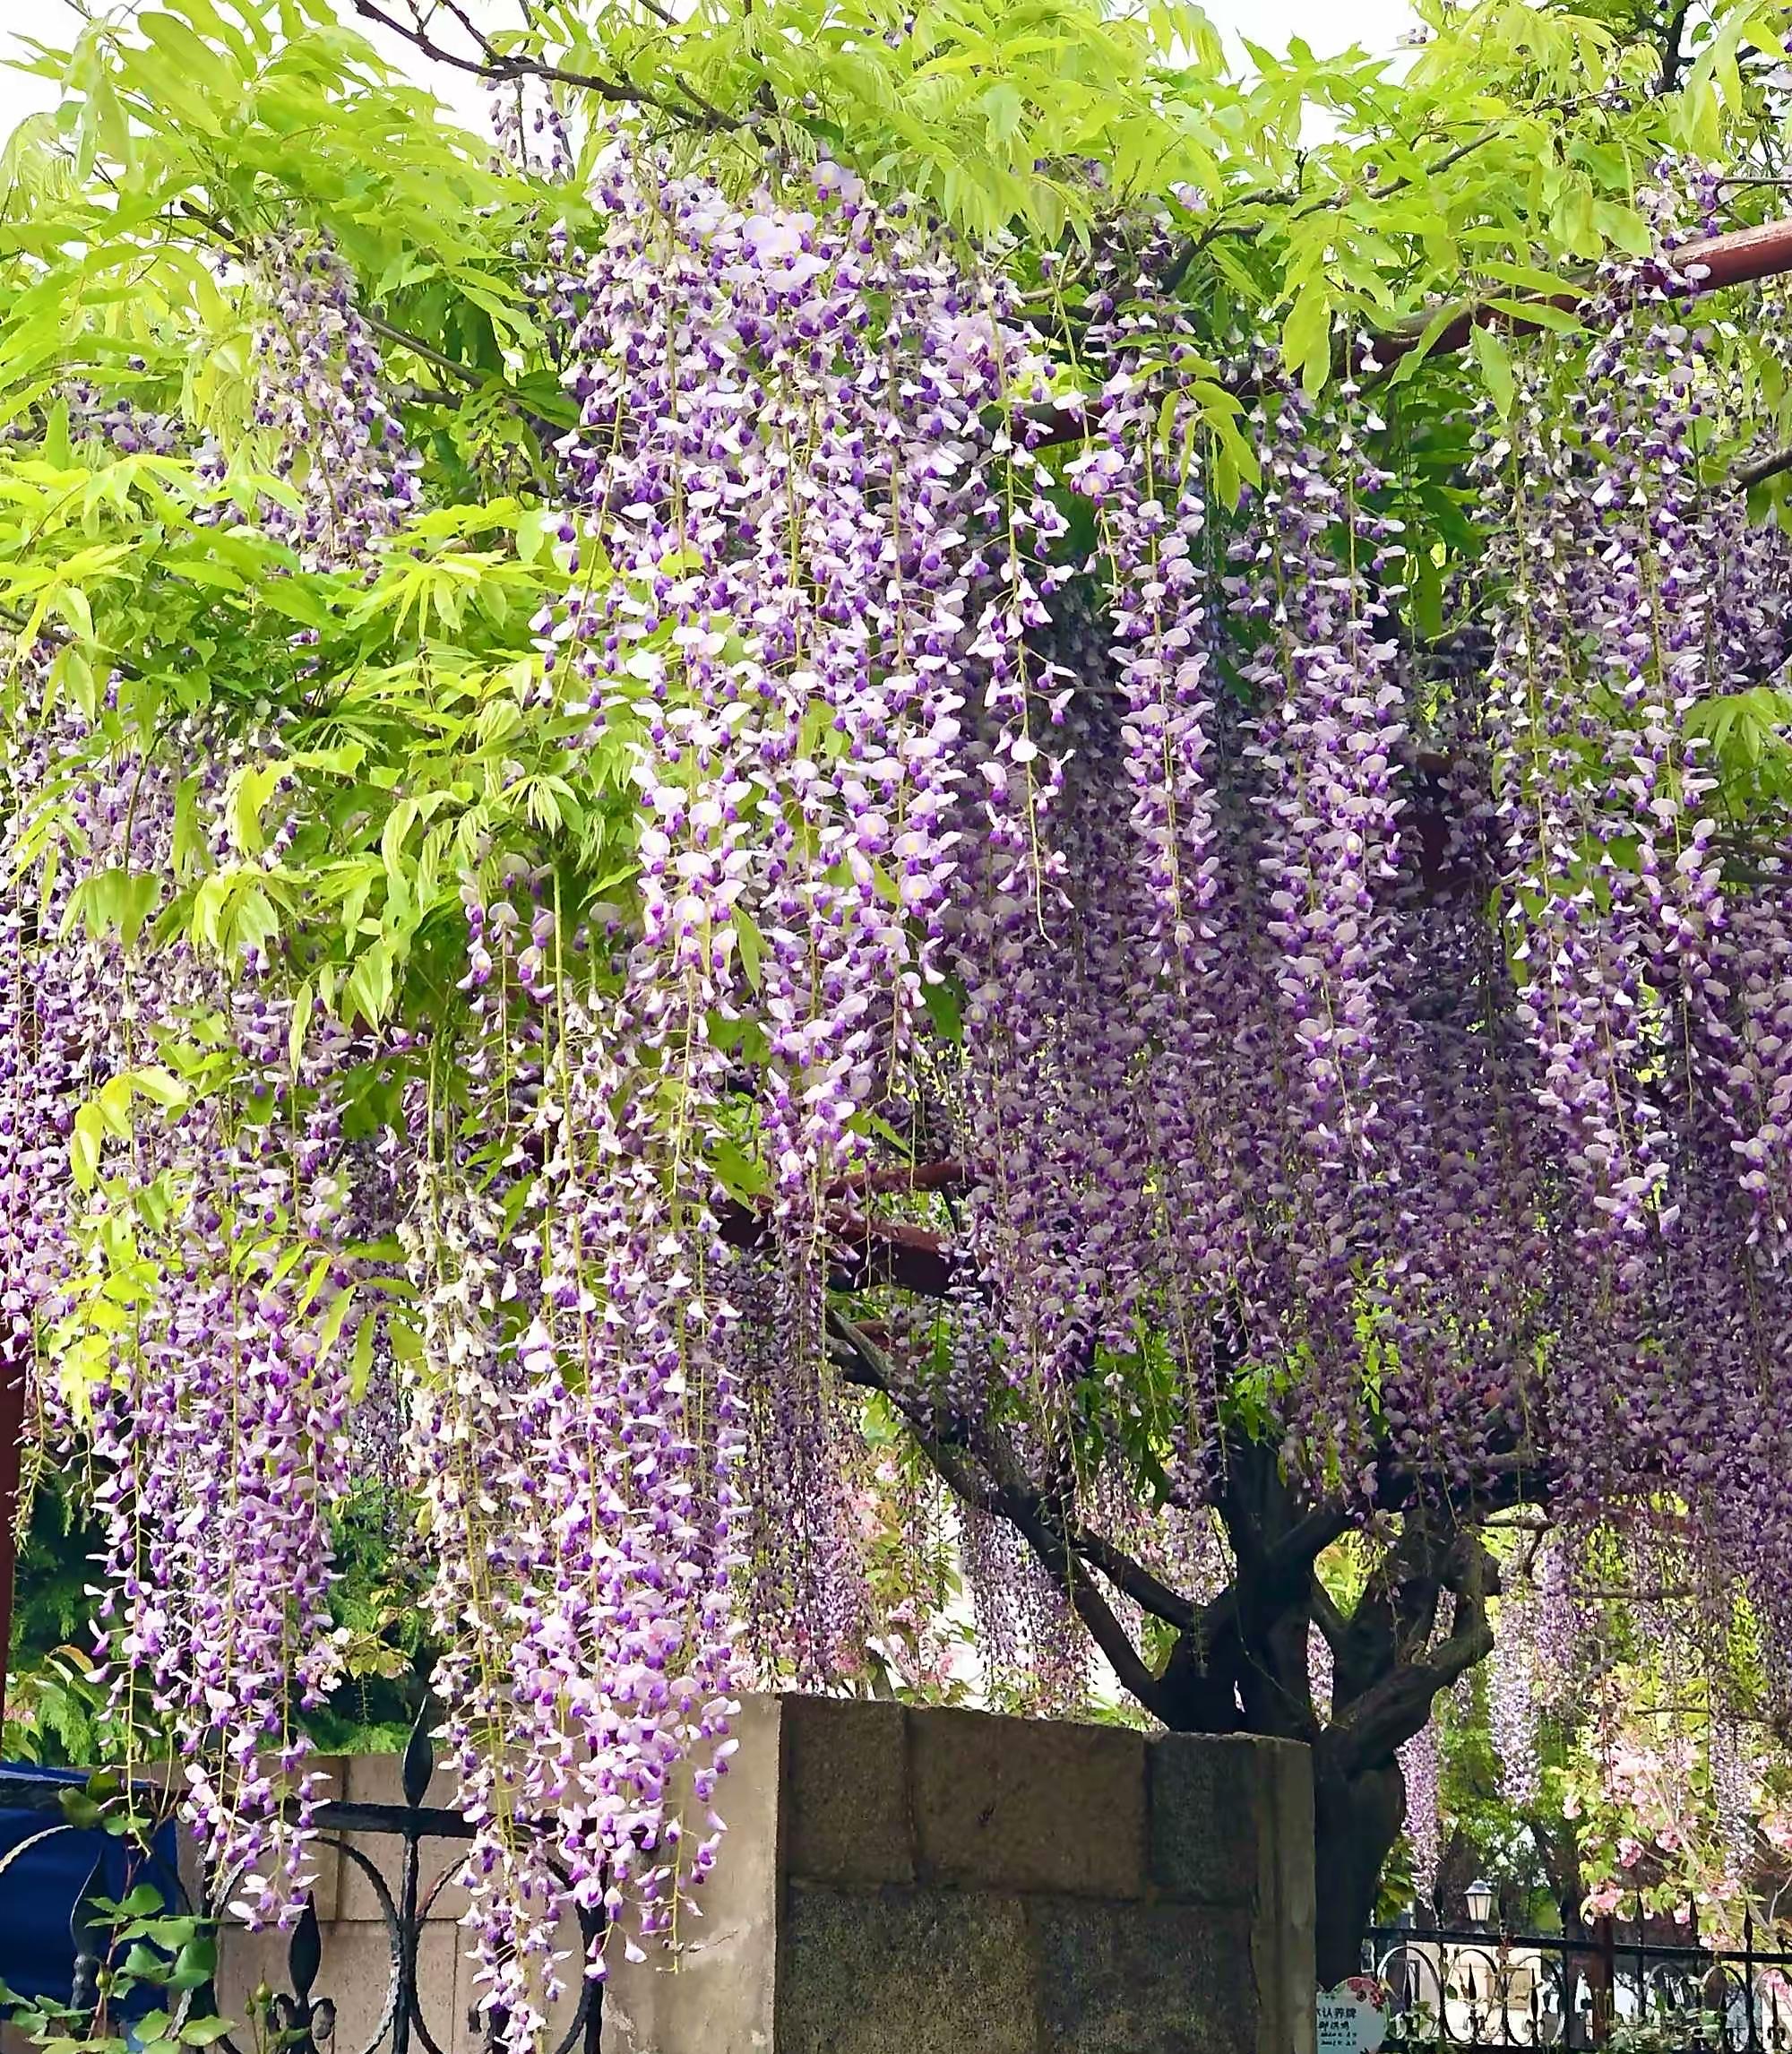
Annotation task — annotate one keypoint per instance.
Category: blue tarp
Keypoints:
(39, 1889)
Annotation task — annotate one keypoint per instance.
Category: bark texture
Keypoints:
(1238, 1663)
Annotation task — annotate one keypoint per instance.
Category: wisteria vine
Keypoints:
(1050, 869)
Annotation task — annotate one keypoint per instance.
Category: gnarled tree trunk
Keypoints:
(1238, 1663)
(1355, 1821)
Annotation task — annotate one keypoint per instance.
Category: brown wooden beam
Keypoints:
(1742, 258)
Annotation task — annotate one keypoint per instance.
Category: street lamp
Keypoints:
(1480, 1896)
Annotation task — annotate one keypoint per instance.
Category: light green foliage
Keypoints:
(1629, 1808)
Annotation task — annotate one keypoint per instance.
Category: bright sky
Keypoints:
(1329, 26)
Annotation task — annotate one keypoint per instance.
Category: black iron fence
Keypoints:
(1481, 1989)
(302, 2018)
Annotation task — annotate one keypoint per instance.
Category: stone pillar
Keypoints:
(934, 1882)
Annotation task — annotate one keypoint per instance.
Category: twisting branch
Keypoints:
(1135, 1581)
(1759, 469)
(901, 1177)
(1326, 1616)
(989, 1476)
(1673, 54)
(500, 67)
(1391, 1710)
(419, 348)
(863, 1251)
(1277, 197)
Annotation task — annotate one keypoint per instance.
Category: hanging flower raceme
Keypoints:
(1513, 1698)
(1418, 1764)
(319, 398)
(216, 1422)
(1328, 722)
(1256, 1026)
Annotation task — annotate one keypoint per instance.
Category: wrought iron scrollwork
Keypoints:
(301, 2023)
(1480, 1992)
(302, 2019)
(402, 2023)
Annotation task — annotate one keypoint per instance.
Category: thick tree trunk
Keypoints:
(1355, 1821)
(1241, 1660)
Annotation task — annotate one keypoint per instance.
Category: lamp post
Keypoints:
(1477, 1966)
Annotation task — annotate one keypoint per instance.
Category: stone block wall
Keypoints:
(933, 1882)
(912, 1882)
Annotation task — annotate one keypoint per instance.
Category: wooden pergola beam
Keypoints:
(1742, 258)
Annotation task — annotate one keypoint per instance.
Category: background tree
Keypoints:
(1601, 1764)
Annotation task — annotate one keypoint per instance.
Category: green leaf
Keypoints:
(303, 1002)
(361, 1361)
(535, 530)
(743, 1174)
(1306, 336)
(1003, 111)
(944, 1005)
(368, 990)
(79, 1810)
(1490, 353)
(195, 1964)
(254, 787)
(254, 924)
(86, 1140)
(751, 943)
(159, 1085)
(56, 436)
(329, 1327)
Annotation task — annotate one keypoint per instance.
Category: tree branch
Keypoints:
(1672, 56)
(419, 348)
(501, 69)
(864, 1251)
(1740, 258)
(1759, 469)
(1007, 1494)
(1391, 1710)
(901, 1177)
(1326, 1616)
(1135, 1581)
(1284, 197)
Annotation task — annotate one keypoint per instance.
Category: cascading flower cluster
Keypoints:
(1419, 1766)
(319, 398)
(216, 1427)
(1241, 1011)
(1512, 1693)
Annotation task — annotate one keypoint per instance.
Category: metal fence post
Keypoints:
(88, 1936)
(300, 2018)
(414, 1774)
(1604, 1978)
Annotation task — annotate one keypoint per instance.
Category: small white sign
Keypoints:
(1351, 2019)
